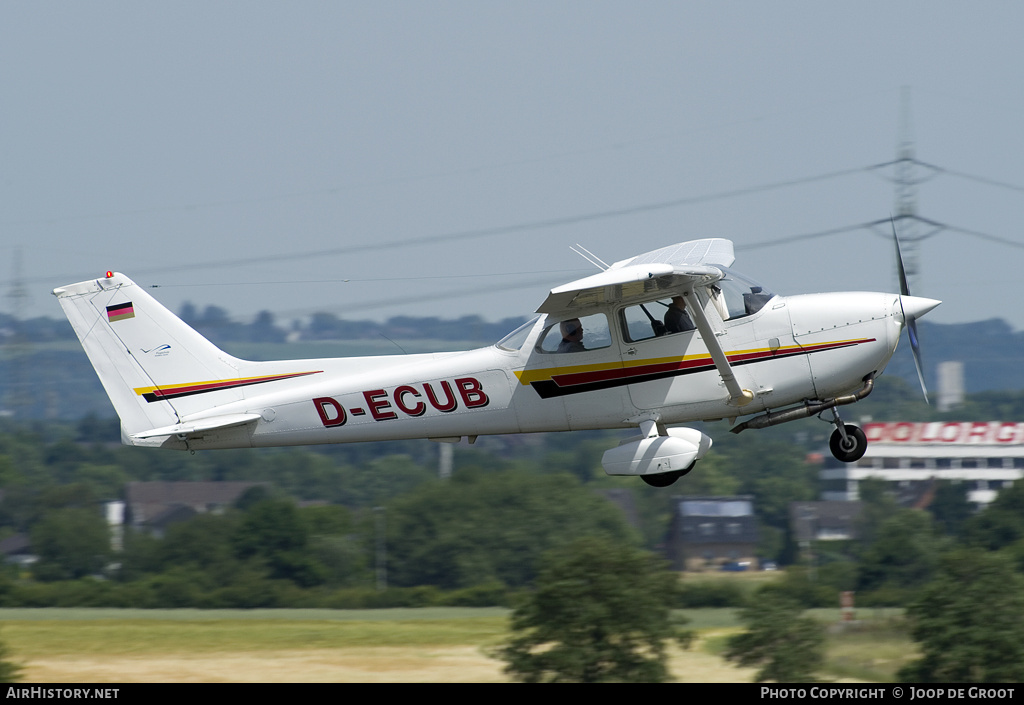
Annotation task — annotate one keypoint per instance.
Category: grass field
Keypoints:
(447, 645)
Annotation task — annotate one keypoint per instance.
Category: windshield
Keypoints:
(514, 340)
(739, 295)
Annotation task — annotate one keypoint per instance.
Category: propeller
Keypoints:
(911, 312)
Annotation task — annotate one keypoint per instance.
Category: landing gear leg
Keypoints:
(848, 442)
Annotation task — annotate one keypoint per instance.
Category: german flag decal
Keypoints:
(120, 312)
(173, 391)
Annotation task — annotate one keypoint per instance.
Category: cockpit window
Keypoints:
(737, 296)
(514, 340)
(655, 319)
(572, 335)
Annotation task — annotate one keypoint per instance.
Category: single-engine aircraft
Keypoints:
(663, 338)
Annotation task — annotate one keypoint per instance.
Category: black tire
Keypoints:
(851, 451)
(662, 480)
(666, 478)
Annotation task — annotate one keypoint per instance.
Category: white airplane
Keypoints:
(660, 339)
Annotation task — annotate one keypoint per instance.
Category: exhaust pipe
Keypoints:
(774, 418)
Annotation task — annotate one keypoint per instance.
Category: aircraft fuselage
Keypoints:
(794, 348)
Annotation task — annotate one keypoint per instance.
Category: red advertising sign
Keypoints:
(996, 433)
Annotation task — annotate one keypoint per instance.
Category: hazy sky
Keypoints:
(439, 158)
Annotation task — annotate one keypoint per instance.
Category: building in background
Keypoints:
(824, 521)
(987, 455)
(951, 385)
(152, 506)
(713, 533)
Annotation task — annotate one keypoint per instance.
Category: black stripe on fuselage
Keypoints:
(549, 389)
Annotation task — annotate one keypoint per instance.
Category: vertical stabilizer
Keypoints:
(151, 363)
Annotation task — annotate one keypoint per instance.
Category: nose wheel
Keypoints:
(848, 447)
(848, 442)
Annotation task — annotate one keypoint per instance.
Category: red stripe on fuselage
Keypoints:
(572, 379)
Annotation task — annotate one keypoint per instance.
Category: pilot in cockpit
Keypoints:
(677, 320)
(572, 336)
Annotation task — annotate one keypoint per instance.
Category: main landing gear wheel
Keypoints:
(666, 478)
(849, 448)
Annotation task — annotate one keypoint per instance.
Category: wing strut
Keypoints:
(737, 395)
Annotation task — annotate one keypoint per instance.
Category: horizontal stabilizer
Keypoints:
(190, 427)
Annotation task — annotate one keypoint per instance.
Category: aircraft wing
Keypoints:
(667, 269)
(713, 250)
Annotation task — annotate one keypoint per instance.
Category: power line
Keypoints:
(986, 236)
(787, 239)
(936, 170)
(541, 224)
(981, 179)
(519, 227)
(403, 300)
(906, 180)
(883, 223)
(477, 233)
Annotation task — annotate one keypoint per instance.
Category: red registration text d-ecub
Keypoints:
(408, 399)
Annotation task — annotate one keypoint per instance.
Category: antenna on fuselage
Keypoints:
(590, 257)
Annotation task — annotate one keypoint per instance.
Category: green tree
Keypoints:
(270, 527)
(263, 329)
(338, 544)
(600, 612)
(203, 543)
(788, 647)
(1001, 523)
(769, 466)
(903, 554)
(483, 527)
(969, 622)
(773, 469)
(273, 531)
(950, 507)
(140, 555)
(877, 505)
(71, 543)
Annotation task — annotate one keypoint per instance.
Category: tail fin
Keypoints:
(143, 354)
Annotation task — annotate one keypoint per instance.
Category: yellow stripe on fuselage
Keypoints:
(538, 375)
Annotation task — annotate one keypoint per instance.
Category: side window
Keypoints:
(576, 335)
(656, 318)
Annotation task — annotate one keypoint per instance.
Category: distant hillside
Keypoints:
(45, 374)
(992, 354)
